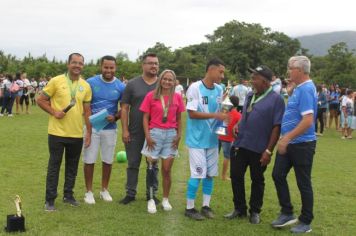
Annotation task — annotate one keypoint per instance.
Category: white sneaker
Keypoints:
(1, 114)
(151, 206)
(165, 204)
(89, 198)
(10, 115)
(105, 195)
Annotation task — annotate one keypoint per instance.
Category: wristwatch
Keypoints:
(268, 152)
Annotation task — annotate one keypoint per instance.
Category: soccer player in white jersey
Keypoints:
(204, 99)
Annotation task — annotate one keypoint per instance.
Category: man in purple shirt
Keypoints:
(259, 131)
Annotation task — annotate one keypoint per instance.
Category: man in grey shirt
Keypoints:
(133, 134)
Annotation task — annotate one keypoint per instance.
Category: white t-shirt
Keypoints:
(277, 85)
(241, 92)
(348, 104)
(179, 89)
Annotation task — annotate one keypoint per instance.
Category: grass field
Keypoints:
(23, 163)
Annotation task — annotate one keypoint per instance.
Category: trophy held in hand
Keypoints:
(226, 106)
(16, 222)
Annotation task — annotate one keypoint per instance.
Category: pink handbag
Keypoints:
(14, 87)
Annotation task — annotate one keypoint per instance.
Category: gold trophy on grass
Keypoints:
(16, 222)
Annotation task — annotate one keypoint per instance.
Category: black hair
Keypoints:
(214, 62)
(234, 100)
(18, 76)
(9, 77)
(108, 58)
(149, 54)
(74, 54)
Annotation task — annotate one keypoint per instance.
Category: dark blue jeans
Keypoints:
(300, 157)
(8, 102)
(72, 147)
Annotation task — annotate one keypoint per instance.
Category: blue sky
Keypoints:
(95, 28)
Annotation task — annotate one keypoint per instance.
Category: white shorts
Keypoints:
(203, 162)
(106, 141)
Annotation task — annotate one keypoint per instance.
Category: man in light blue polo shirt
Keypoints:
(296, 147)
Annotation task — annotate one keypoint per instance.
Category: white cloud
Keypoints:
(98, 27)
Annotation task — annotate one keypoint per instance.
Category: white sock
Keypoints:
(206, 200)
(165, 199)
(190, 203)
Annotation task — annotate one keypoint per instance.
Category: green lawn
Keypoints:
(23, 163)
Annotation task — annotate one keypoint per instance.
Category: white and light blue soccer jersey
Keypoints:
(303, 101)
(200, 133)
(106, 95)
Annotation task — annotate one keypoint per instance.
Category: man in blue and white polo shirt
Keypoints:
(296, 147)
(203, 106)
(107, 92)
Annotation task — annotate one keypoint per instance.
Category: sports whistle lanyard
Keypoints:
(165, 109)
(254, 100)
(72, 89)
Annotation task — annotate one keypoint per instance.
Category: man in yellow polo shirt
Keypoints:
(66, 98)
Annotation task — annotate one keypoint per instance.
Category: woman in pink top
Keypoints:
(162, 109)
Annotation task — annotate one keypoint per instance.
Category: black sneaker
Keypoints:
(71, 201)
(284, 220)
(235, 214)
(157, 201)
(207, 212)
(193, 214)
(301, 228)
(255, 218)
(126, 200)
(49, 206)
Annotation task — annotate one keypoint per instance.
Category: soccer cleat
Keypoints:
(89, 198)
(151, 206)
(193, 214)
(284, 220)
(207, 212)
(105, 195)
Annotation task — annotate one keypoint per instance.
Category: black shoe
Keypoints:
(126, 200)
(157, 201)
(49, 206)
(207, 212)
(193, 214)
(235, 214)
(71, 201)
(255, 218)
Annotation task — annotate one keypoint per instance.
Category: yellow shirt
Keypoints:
(59, 92)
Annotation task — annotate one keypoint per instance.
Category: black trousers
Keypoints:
(300, 157)
(72, 147)
(238, 167)
(320, 117)
(134, 156)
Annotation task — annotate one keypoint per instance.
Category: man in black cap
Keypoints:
(259, 131)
